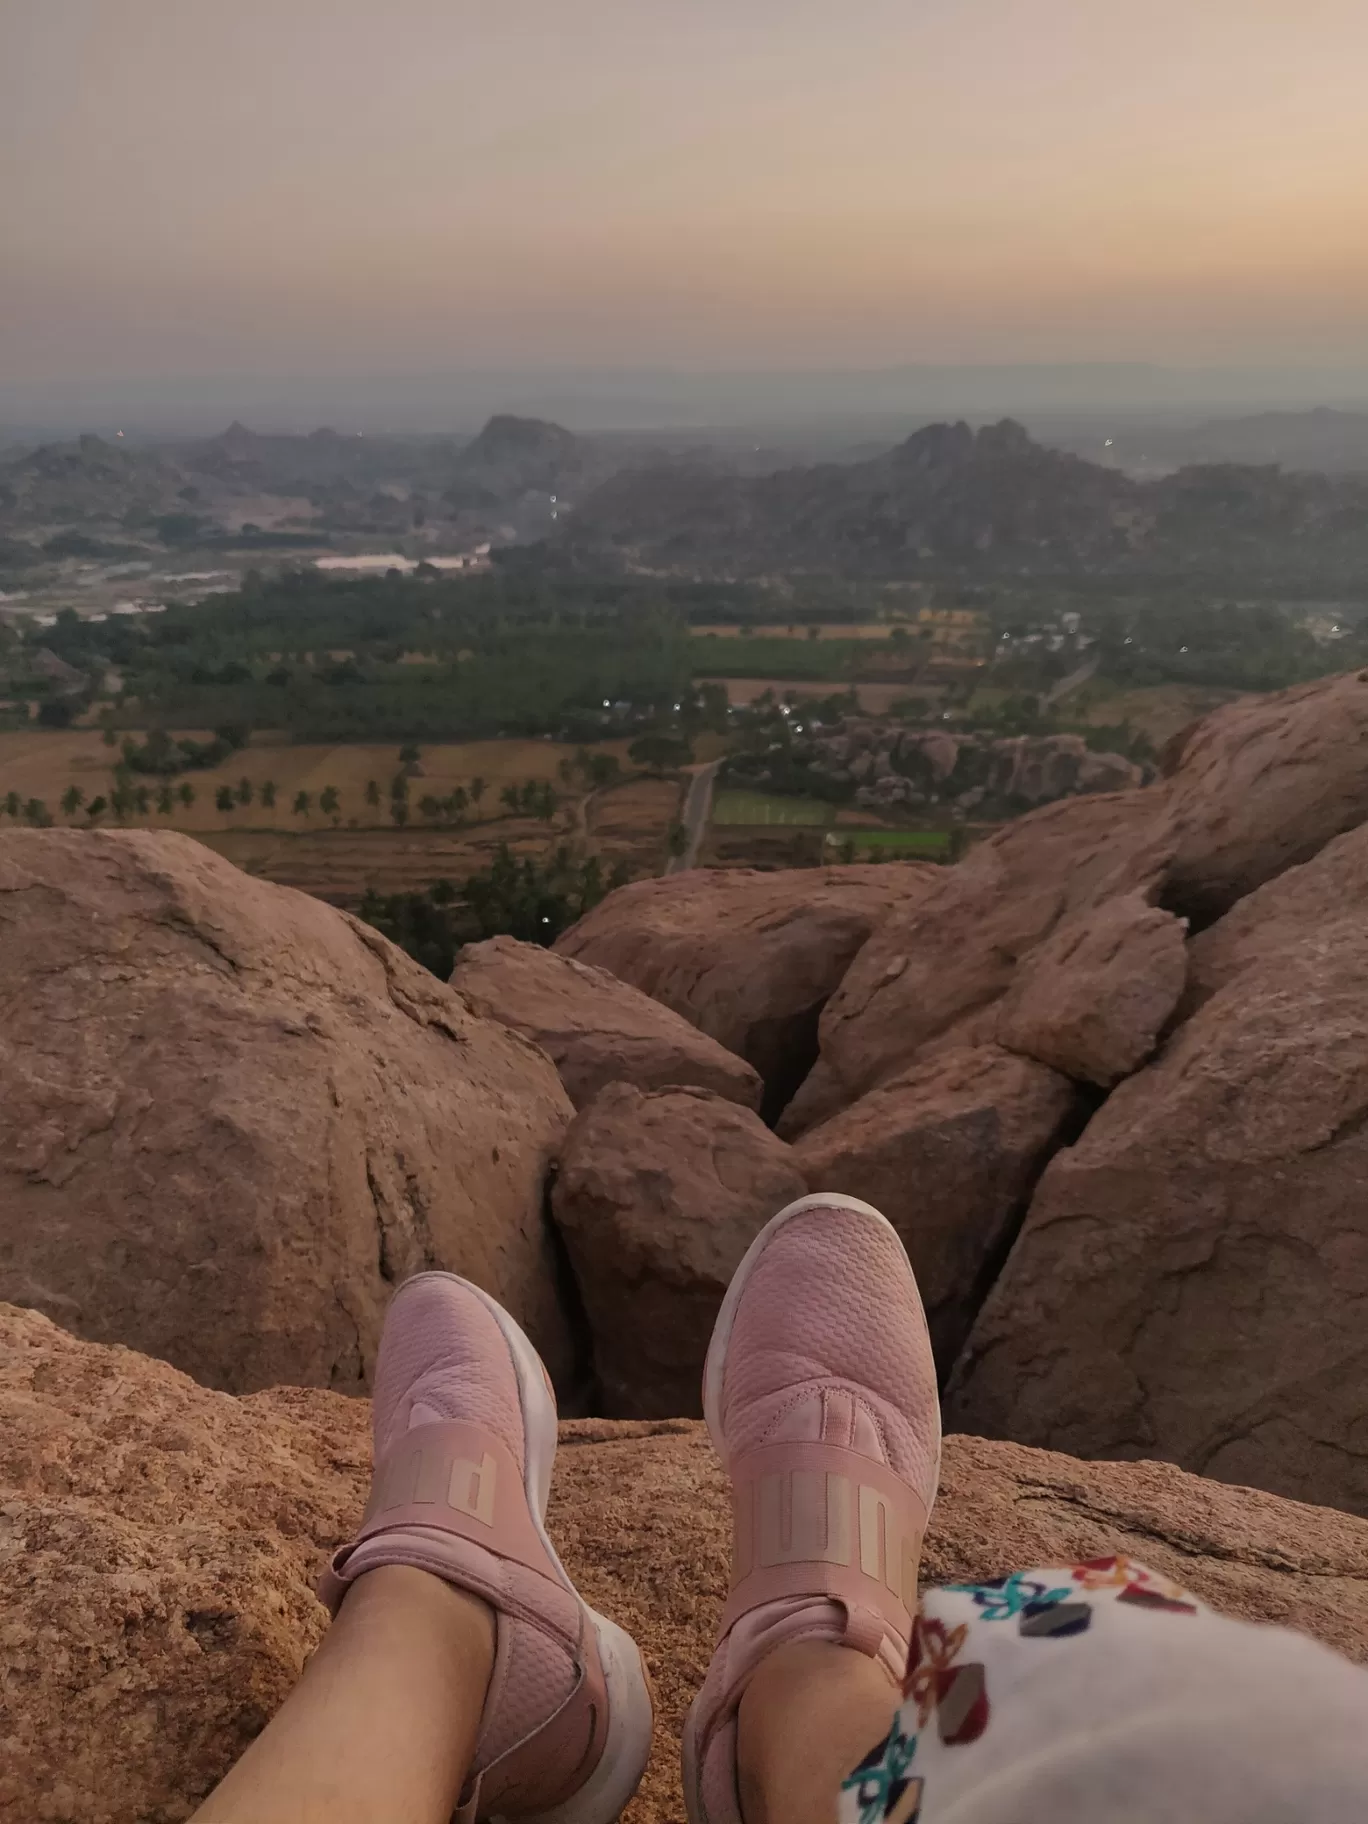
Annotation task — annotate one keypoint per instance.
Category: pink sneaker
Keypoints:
(820, 1394)
(464, 1423)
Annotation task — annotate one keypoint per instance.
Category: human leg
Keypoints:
(454, 1615)
(808, 1715)
(383, 1723)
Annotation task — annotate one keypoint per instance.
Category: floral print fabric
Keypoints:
(1099, 1692)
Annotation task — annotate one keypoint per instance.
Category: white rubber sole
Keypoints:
(631, 1715)
(715, 1364)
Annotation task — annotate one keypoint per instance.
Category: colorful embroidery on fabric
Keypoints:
(962, 1705)
(957, 1694)
(1054, 1621)
(930, 1656)
(1125, 1574)
(881, 1783)
(1003, 1597)
(1155, 1599)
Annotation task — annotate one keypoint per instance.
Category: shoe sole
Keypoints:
(631, 1716)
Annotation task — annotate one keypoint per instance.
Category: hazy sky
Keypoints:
(310, 186)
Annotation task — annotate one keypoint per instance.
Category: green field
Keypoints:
(757, 808)
(933, 844)
(711, 656)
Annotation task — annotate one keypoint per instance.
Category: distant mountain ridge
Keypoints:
(986, 499)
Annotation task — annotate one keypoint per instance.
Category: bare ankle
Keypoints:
(811, 1712)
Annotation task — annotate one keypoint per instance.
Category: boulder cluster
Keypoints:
(1108, 1077)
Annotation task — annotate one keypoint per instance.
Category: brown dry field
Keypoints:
(42, 764)
(628, 822)
(631, 822)
(340, 865)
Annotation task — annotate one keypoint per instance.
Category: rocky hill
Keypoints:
(1108, 1076)
(987, 500)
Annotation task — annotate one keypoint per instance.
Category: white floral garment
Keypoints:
(1101, 1693)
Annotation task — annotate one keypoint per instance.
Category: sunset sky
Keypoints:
(312, 186)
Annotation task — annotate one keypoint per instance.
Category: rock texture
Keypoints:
(232, 1118)
(949, 1152)
(1092, 1000)
(658, 1196)
(158, 1543)
(1192, 1279)
(954, 949)
(748, 958)
(1263, 784)
(595, 1028)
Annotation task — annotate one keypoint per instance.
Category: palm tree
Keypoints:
(72, 800)
(186, 793)
(166, 802)
(301, 804)
(268, 794)
(477, 790)
(13, 804)
(329, 801)
(244, 791)
(373, 793)
(142, 798)
(223, 798)
(96, 809)
(430, 807)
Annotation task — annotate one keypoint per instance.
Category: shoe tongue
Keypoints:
(829, 1415)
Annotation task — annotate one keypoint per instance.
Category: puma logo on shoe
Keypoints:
(435, 1476)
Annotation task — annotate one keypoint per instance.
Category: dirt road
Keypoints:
(697, 805)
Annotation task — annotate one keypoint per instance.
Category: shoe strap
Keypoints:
(450, 1477)
(817, 1520)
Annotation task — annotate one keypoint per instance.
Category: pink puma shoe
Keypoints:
(820, 1395)
(464, 1424)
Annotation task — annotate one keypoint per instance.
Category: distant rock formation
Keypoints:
(887, 764)
(988, 500)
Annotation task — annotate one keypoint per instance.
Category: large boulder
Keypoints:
(232, 1119)
(1321, 906)
(595, 1028)
(1263, 784)
(658, 1195)
(949, 1151)
(749, 958)
(1192, 1279)
(1255, 788)
(1093, 999)
(158, 1543)
(954, 950)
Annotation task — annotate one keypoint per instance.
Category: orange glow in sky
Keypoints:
(301, 184)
